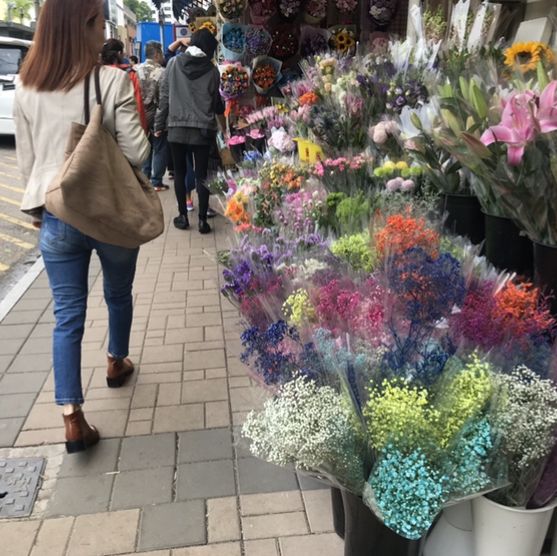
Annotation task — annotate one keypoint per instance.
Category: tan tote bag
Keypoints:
(98, 191)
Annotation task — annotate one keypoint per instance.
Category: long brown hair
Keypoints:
(62, 53)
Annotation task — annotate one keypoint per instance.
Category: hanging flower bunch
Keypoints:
(231, 9)
(346, 6)
(289, 8)
(285, 43)
(234, 81)
(317, 9)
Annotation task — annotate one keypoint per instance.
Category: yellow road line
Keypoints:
(12, 188)
(16, 241)
(4, 267)
(17, 221)
(10, 201)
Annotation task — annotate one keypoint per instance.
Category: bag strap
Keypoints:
(86, 98)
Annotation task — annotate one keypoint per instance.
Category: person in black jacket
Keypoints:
(189, 105)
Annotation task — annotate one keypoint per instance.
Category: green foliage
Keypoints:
(141, 10)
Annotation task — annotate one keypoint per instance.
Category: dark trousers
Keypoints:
(184, 157)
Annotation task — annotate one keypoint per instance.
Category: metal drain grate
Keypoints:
(19, 484)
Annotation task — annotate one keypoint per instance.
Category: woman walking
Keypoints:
(189, 106)
(49, 98)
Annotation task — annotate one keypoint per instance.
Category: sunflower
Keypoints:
(526, 56)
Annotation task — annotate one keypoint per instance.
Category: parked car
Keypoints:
(12, 52)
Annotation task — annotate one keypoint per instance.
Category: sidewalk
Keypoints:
(168, 478)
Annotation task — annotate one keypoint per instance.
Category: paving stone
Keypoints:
(16, 405)
(274, 525)
(22, 383)
(193, 375)
(307, 482)
(26, 317)
(53, 537)
(44, 416)
(179, 418)
(224, 549)
(133, 489)
(257, 476)
(99, 459)
(319, 510)
(159, 378)
(271, 503)
(37, 346)
(183, 335)
(5, 361)
(42, 436)
(205, 391)
(151, 553)
(139, 428)
(223, 523)
(204, 445)
(215, 373)
(145, 414)
(145, 395)
(217, 414)
(107, 404)
(163, 354)
(246, 399)
(169, 394)
(10, 332)
(204, 319)
(147, 453)
(30, 364)
(105, 533)
(173, 525)
(9, 429)
(9, 347)
(312, 545)
(111, 424)
(18, 536)
(263, 547)
(209, 359)
(80, 495)
(208, 479)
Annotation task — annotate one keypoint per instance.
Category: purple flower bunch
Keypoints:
(314, 43)
(258, 41)
(411, 93)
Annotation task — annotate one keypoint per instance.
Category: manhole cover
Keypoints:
(19, 483)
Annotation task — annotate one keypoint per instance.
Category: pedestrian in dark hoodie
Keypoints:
(189, 105)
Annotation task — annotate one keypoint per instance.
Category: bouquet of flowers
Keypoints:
(233, 41)
(230, 9)
(258, 40)
(344, 174)
(398, 176)
(313, 41)
(289, 9)
(315, 11)
(262, 11)
(266, 72)
(343, 39)
(234, 81)
(285, 42)
(346, 6)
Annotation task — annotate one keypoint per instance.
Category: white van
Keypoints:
(12, 52)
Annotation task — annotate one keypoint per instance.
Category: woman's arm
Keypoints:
(24, 144)
(129, 132)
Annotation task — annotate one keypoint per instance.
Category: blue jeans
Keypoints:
(155, 166)
(67, 254)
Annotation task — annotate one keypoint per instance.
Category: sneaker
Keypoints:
(189, 205)
(170, 175)
(204, 228)
(158, 188)
(211, 213)
(181, 222)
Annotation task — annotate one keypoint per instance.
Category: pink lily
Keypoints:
(547, 115)
(518, 126)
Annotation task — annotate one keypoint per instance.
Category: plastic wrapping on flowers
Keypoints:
(398, 363)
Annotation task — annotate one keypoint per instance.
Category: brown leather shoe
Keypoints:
(118, 371)
(79, 434)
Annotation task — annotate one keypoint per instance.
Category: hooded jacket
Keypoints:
(189, 95)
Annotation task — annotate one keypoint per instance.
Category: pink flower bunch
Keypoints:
(299, 211)
(524, 117)
(346, 6)
(400, 184)
(381, 132)
(354, 104)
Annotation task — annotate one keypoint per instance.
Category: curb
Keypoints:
(18, 291)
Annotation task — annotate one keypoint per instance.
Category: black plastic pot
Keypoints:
(505, 247)
(464, 216)
(545, 272)
(365, 535)
(338, 511)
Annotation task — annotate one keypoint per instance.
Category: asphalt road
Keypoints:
(18, 238)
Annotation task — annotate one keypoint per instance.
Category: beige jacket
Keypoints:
(43, 121)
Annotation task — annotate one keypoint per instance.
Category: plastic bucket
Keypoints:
(545, 272)
(452, 534)
(464, 216)
(504, 531)
(505, 247)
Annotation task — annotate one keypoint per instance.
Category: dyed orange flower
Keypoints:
(404, 232)
(308, 99)
(236, 212)
(520, 308)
